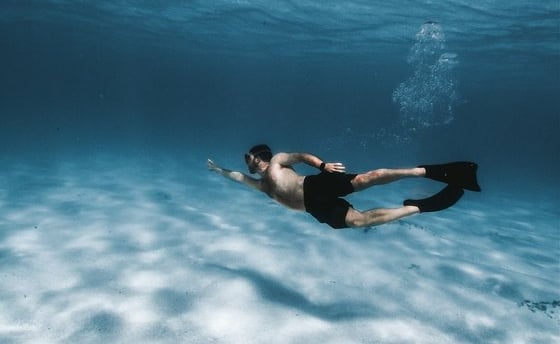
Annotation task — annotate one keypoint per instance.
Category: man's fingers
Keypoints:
(211, 165)
(337, 167)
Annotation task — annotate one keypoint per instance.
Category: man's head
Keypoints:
(256, 155)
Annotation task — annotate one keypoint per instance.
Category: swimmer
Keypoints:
(322, 194)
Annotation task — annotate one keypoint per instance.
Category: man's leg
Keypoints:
(373, 217)
(383, 176)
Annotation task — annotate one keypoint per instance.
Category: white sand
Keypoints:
(162, 252)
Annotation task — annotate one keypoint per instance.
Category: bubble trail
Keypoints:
(428, 97)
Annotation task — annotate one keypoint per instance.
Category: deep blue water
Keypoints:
(216, 77)
(109, 109)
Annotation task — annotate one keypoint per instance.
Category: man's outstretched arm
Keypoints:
(289, 159)
(235, 176)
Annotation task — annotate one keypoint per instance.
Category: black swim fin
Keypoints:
(442, 200)
(460, 173)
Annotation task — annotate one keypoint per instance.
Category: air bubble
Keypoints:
(428, 97)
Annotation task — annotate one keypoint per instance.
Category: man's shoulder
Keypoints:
(280, 155)
(279, 158)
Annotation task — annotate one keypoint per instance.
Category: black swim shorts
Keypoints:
(321, 196)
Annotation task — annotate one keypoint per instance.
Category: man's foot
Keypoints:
(442, 200)
(461, 174)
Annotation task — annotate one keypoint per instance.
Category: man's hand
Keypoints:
(235, 176)
(213, 167)
(334, 167)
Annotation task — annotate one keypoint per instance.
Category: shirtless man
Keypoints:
(321, 194)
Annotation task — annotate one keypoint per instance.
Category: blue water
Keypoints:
(113, 230)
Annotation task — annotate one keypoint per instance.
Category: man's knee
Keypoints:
(355, 219)
(369, 177)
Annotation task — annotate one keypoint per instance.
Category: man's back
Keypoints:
(283, 184)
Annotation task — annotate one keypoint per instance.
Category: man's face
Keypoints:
(252, 162)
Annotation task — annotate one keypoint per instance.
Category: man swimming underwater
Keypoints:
(321, 194)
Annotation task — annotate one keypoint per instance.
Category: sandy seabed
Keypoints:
(106, 250)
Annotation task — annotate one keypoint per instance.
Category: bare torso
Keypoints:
(284, 185)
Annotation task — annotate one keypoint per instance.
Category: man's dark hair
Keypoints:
(261, 151)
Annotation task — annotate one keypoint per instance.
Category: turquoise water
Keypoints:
(113, 230)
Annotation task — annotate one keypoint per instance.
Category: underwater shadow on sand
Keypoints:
(276, 292)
